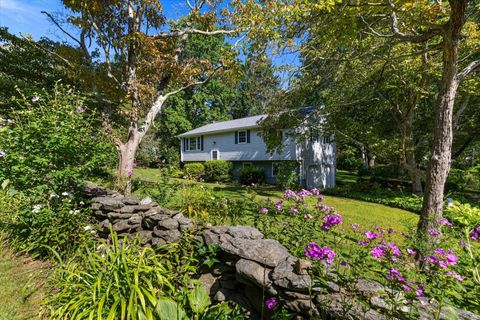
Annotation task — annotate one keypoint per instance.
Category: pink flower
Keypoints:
(315, 252)
(263, 210)
(293, 210)
(455, 276)
(290, 194)
(331, 220)
(378, 252)
(452, 259)
(395, 250)
(411, 252)
(315, 191)
(35, 98)
(370, 235)
(304, 193)
(354, 226)
(475, 234)
(407, 288)
(445, 222)
(419, 293)
(271, 303)
(394, 271)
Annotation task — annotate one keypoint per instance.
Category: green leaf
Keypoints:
(167, 309)
(198, 299)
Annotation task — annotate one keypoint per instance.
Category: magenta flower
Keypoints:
(433, 232)
(411, 252)
(394, 271)
(278, 205)
(320, 197)
(370, 235)
(407, 288)
(290, 194)
(304, 193)
(395, 250)
(445, 222)
(419, 293)
(315, 192)
(475, 234)
(378, 252)
(331, 220)
(456, 276)
(271, 303)
(263, 210)
(315, 252)
(293, 210)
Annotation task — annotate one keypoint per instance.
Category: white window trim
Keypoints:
(218, 154)
(245, 137)
(197, 144)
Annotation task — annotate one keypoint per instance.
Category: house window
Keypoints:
(215, 155)
(242, 137)
(193, 144)
(275, 168)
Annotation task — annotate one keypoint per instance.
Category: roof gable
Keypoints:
(226, 126)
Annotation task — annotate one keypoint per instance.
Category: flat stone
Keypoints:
(127, 209)
(157, 242)
(145, 236)
(302, 307)
(254, 273)
(168, 224)
(146, 200)
(209, 283)
(141, 207)
(96, 206)
(168, 235)
(211, 238)
(369, 288)
(264, 251)
(152, 211)
(108, 203)
(130, 200)
(220, 296)
(100, 214)
(104, 226)
(152, 220)
(135, 219)
(302, 266)
(219, 229)
(119, 215)
(284, 276)
(244, 232)
(121, 226)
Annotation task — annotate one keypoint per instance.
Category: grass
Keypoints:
(20, 289)
(353, 211)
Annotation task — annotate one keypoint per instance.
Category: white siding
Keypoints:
(319, 161)
(256, 150)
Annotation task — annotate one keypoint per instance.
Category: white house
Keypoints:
(240, 141)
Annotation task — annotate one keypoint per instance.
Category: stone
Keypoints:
(209, 283)
(145, 236)
(135, 219)
(108, 203)
(151, 212)
(244, 232)
(127, 209)
(141, 207)
(151, 221)
(302, 266)
(100, 214)
(168, 224)
(211, 238)
(284, 276)
(253, 273)
(168, 235)
(146, 200)
(369, 288)
(96, 206)
(157, 242)
(296, 295)
(218, 229)
(104, 226)
(228, 284)
(130, 200)
(220, 296)
(264, 251)
(118, 215)
(302, 306)
(121, 226)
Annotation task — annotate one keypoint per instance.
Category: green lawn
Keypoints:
(353, 211)
(20, 295)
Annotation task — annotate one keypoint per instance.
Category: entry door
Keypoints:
(314, 177)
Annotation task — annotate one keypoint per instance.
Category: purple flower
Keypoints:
(401, 279)
(293, 210)
(331, 220)
(354, 226)
(271, 303)
(378, 252)
(411, 252)
(395, 250)
(315, 252)
(263, 210)
(320, 197)
(433, 232)
(1, 127)
(315, 192)
(394, 271)
(456, 276)
(344, 263)
(370, 235)
(444, 221)
(407, 288)
(452, 259)
(475, 234)
(432, 259)
(440, 251)
(304, 193)
(35, 99)
(419, 293)
(290, 194)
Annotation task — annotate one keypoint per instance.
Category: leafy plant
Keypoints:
(218, 170)
(194, 171)
(287, 176)
(251, 174)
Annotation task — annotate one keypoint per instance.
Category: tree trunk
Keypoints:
(126, 163)
(440, 158)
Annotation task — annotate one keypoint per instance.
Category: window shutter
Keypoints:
(236, 137)
(248, 136)
(184, 144)
(201, 143)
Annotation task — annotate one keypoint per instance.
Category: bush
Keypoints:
(287, 176)
(194, 171)
(463, 215)
(218, 170)
(51, 143)
(251, 174)
(460, 180)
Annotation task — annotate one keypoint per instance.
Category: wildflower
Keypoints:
(129, 172)
(290, 194)
(419, 293)
(82, 203)
(53, 195)
(263, 210)
(1, 127)
(452, 259)
(475, 234)
(87, 228)
(411, 252)
(271, 303)
(315, 191)
(2, 153)
(315, 252)
(401, 279)
(37, 208)
(394, 249)
(378, 252)
(344, 263)
(307, 216)
(320, 197)
(455, 276)
(445, 222)
(65, 194)
(370, 235)
(35, 98)
(322, 207)
(433, 232)
(394, 271)
(79, 110)
(74, 212)
(432, 259)
(278, 206)
(407, 288)
(354, 226)
(293, 210)
(330, 220)
(304, 193)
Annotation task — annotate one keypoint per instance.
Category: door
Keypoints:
(314, 176)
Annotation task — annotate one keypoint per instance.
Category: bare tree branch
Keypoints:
(48, 51)
(171, 93)
(467, 70)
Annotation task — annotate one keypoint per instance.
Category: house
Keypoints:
(240, 141)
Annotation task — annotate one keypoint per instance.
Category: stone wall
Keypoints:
(251, 268)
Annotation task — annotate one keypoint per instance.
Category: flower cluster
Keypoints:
(444, 221)
(443, 258)
(331, 220)
(263, 211)
(394, 276)
(475, 234)
(389, 250)
(271, 303)
(315, 252)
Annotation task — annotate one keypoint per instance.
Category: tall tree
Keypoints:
(144, 61)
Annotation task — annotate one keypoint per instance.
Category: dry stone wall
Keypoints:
(251, 268)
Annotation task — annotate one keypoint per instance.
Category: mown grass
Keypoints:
(20, 286)
(354, 211)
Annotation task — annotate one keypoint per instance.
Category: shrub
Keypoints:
(251, 174)
(460, 180)
(51, 142)
(194, 171)
(218, 170)
(463, 215)
(287, 176)
(42, 227)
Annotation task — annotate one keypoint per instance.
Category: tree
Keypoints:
(144, 62)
